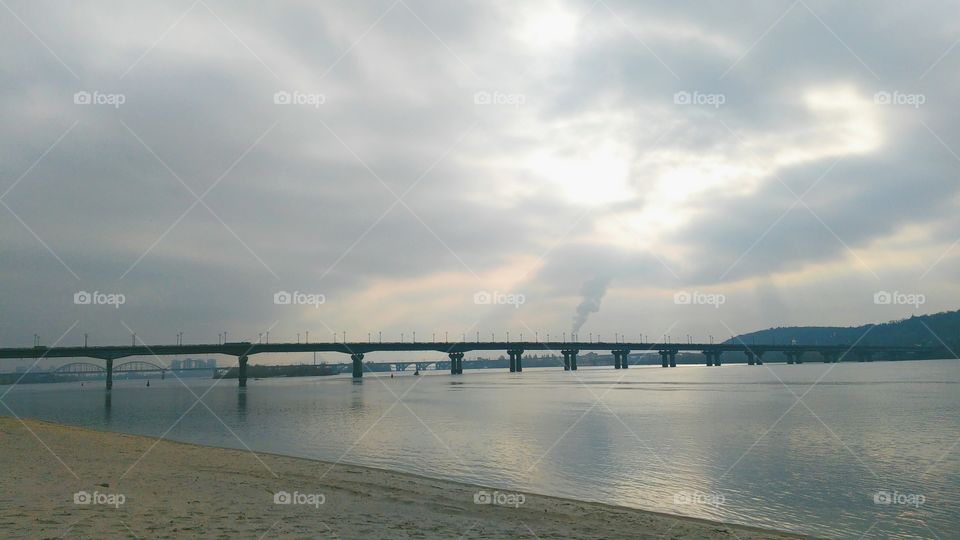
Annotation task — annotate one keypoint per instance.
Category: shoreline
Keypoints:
(150, 487)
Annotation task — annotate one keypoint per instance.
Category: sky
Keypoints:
(615, 168)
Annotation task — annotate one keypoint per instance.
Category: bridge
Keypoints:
(88, 369)
(712, 352)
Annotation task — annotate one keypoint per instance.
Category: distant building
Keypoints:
(193, 363)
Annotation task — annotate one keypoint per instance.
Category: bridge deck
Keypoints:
(249, 349)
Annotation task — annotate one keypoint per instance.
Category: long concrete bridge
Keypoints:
(712, 352)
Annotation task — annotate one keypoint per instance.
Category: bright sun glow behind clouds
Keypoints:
(598, 175)
(546, 25)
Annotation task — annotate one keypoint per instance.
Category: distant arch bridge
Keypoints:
(133, 366)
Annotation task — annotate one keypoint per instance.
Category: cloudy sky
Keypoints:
(463, 167)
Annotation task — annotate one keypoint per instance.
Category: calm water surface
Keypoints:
(731, 443)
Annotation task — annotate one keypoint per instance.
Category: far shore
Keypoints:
(64, 481)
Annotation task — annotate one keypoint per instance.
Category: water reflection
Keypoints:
(242, 405)
(107, 397)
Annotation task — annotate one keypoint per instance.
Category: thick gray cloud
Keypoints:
(583, 168)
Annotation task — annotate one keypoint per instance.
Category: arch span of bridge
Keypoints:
(136, 366)
(621, 351)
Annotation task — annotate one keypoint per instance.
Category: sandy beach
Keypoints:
(61, 481)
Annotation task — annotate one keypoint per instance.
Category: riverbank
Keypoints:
(63, 481)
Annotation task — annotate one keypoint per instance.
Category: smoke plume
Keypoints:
(592, 292)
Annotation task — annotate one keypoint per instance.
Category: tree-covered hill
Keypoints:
(936, 330)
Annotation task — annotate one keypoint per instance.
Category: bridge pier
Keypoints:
(570, 354)
(716, 358)
(566, 360)
(109, 373)
(516, 360)
(242, 371)
(789, 356)
(760, 358)
(456, 363)
(357, 365)
(709, 355)
(620, 358)
(798, 357)
(750, 360)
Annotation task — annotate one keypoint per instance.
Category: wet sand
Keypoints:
(143, 487)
